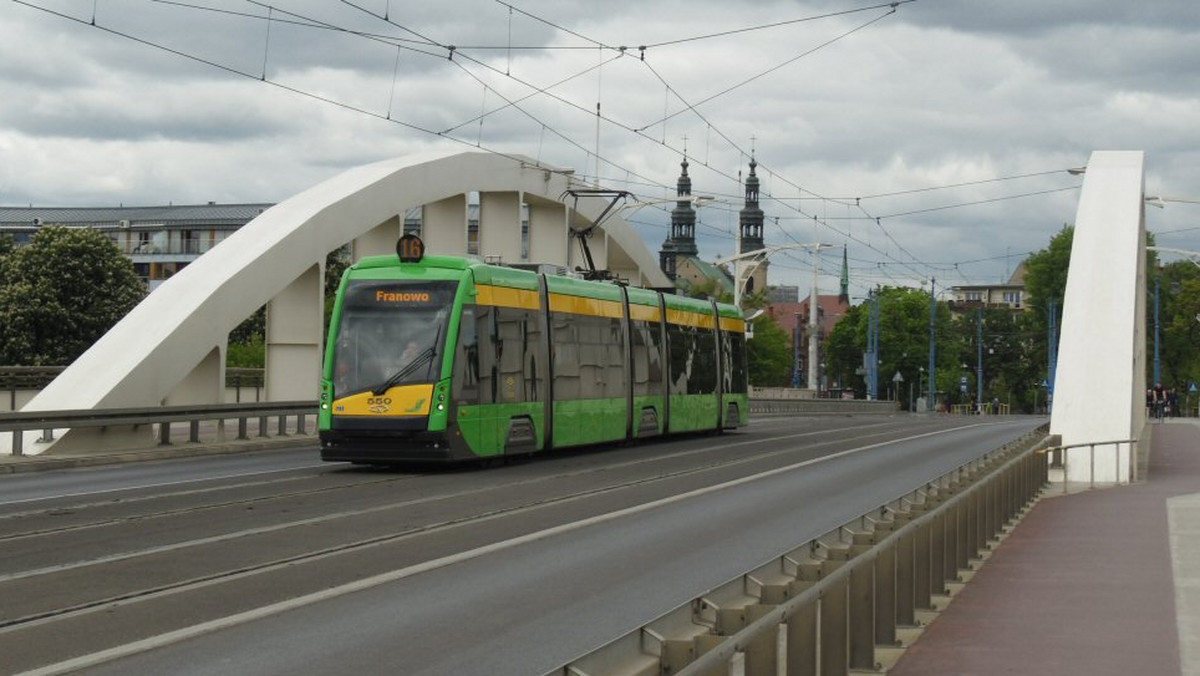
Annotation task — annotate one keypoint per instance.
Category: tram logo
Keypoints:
(379, 404)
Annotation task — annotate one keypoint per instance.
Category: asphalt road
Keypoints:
(271, 563)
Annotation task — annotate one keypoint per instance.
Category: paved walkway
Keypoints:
(1087, 584)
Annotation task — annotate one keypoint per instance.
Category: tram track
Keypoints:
(69, 509)
(150, 593)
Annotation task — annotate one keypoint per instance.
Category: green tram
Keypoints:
(439, 358)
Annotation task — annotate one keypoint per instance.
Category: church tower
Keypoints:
(750, 222)
(681, 243)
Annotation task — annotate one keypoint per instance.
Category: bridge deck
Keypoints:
(1087, 584)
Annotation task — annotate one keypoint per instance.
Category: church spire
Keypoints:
(751, 216)
(681, 243)
(683, 216)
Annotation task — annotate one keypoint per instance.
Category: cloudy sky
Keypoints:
(932, 138)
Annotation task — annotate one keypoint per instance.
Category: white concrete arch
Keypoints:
(1101, 376)
(171, 348)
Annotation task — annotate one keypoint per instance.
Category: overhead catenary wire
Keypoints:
(772, 69)
(426, 41)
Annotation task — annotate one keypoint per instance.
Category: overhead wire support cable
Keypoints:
(555, 26)
(955, 185)
(406, 29)
(776, 24)
(764, 73)
(978, 202)
(256, 78)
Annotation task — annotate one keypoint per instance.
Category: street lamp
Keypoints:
(920, 386)
(759, 256)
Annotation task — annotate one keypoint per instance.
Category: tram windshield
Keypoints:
(391, 333)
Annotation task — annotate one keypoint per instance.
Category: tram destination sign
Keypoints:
(384, 295)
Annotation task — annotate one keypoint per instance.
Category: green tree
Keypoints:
(768, 354)
(60, 293)
(1179, 324)
(7, 245)
(708, 288)
(903, 346)
(1046, 273)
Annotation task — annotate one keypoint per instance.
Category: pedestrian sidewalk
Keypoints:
(1088, 583)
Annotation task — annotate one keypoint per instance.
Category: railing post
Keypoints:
(1064, 466)
(921, 568)
(164, 433)
(937, 554)
(1117, 464)
(283, 425)
(242, 428)
(194, 431)
(262, 427)
(862, 593)
(18, 443)
(802, 635)
(885, 597)
(962, 519)
(834, 630)
(905, 576)
(1091, 466)
(762, 653)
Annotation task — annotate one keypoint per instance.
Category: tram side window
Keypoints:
(469, 386)
(735, 362)
(613, 335)
(682, 348)
(588, 357)
(518, 369)
(647, 363)
(704, 368)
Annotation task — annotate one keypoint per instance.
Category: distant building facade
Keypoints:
(160, 241)
(1010, 295)
(783, 294)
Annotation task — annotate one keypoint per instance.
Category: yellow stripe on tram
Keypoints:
(504, 296)
(733, 325)
(644, 313)
(685, 318)
(585, 306)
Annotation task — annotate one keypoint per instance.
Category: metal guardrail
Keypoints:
(768, 407)
(37, 377)
(18, 384)
(164, 416)
(985, 409)
(839, 597)
(1058, 460)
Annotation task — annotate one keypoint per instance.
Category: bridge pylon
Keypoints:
(1100, 381)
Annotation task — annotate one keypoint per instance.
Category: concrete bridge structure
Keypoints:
(170, 350)
(1101, 372)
